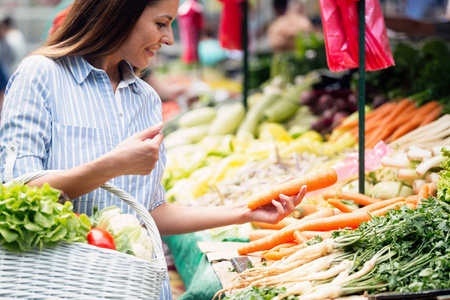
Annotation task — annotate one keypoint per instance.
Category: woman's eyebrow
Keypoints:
(167, 16)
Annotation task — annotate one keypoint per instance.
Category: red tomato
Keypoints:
(101, 238)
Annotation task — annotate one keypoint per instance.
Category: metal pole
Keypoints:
(245, 49)
(361, 93)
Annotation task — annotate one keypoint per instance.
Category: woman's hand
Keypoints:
(275, 212)
(136, 155)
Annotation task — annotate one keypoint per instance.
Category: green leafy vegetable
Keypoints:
(32, 217)
(259, 293)
(443, 185)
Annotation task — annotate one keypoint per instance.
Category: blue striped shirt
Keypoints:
(61, 113)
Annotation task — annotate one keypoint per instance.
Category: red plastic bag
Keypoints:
(340, 25)
(230, 30)
(190, 19)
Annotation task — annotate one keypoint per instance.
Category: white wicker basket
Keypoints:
(82, 271)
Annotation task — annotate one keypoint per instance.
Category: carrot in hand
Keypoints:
(314, 181)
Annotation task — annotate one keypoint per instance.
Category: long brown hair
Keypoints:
(95, 28)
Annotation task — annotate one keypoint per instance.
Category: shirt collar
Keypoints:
(80, 69)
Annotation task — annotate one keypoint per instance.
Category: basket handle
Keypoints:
(135, 205)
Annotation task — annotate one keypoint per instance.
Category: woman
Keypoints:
(75, 105)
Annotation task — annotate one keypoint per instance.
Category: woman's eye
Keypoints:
(160, 25)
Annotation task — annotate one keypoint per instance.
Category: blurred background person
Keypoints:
(16, 41)
(6, 52)
(289, 22)
(6, 61)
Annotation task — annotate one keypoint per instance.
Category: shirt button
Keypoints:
(13, 149)
(121, 115)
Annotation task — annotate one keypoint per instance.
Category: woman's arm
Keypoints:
(174, 219)
(136, 155)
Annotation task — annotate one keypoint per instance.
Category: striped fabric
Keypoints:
(61, 113)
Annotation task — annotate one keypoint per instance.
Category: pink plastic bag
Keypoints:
(230, 30)
(191, 21)
(372, 161)
(340, 25)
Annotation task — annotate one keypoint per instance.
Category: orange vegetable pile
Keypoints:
(295, 233)
(391, 121)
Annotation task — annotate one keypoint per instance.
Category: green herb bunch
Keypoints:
(32, 217)
(443, 185)
(259, 293)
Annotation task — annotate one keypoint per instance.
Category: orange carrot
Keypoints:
(374, 113)
(413, 122)
(403, 129)
(282, 252)
(411, 206)
(299, 238)
(361, 199)
(260, 233)
(283, 223)
(340, 205)
(424, 191)
(303, 210)
(381, 204)
(320, 213)
(314, 181)
(432, 189)
(433, 115)
(311, 234)
(384, 210)
(277, 248)
(414, 199)
(389, 123)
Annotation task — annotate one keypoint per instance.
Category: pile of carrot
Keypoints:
(279, 243)
(391, 121)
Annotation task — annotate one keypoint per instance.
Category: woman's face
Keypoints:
(153, 28)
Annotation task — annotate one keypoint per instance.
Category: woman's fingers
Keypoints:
(150, 132)
(288, 202)
(279, 207)
(299, 197)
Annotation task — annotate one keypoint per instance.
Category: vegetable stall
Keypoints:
(302, 123)
(293, 129)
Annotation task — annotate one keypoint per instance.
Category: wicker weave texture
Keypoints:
(77, 271)
(82, 271)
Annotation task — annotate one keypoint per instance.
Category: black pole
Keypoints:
(361, 93)
(245, 49)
